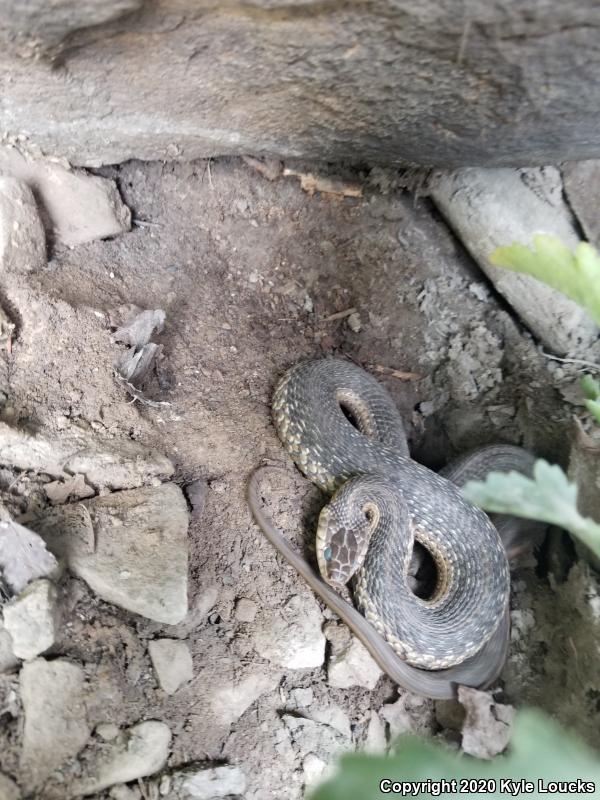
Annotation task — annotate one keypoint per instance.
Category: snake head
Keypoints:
(343, 534)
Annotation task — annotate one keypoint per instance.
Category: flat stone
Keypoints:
(292, 637)
(22, 236)
(210, 784)
(375, 739)
(113, 464)
(33, 619)
(143, 751)
(309, 736)
(172, 662)
(392, 84)
(582, 187)
(23, 556)
(78, 207)
(488, 724)
(139, 557)
(8, 659)
(56, 728)
(231, 698)
(333, 715)
(8, 789)
(245, 610)
(490, 208)
(352, 665)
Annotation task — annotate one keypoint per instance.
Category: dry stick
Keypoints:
(340, 314)
(137, 395)
(581, 361)
(395, 373)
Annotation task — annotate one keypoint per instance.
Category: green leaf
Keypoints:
(539, 750)
(548, 497)
(575, 274)
(593, 407)
(590, 387)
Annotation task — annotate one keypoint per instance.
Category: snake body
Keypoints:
(344, 432)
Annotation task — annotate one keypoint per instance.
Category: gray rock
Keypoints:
(77, 207)
(375, 740)
(582, 186)
(172, 662)
(8, 789)
(245, 610)
(396, 83)
(22, 237)
(231, 698)
(309, 736)
(139, 554)
(32, 28)
(23, 556)
(8, 659)
(210, 784)
(143, 750)
(33, 619)
(351, 664)
(113, 464)
(52, 693)
(291, 637)
(494, 208)
(314, 770)
(487, 726)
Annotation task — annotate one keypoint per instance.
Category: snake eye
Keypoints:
(327, 554)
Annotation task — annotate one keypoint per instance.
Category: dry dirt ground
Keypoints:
(248, 272)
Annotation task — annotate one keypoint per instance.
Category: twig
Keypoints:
(340, 314)
(582, 361)
(395, 373)
(137, 395)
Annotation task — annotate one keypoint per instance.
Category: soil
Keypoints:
(248, 272)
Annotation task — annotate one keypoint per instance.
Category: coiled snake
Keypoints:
(344, 432)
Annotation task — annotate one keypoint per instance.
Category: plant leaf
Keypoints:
(590, 387)
(539, 750)
(575, 274)
(548, 497)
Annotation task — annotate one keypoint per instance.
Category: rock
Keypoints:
(139, 556)
(354, 322)
(33, 619)
(23, 556)
(351, 664)
(582, 187)
(8, 659)
(77, 207)
(334, 716)
(172, 662)
(379, 84)
(314, 770)
(291, 637)
(487, 726)
(232, 697)
(210, 784)
(409, 714)
(494, 208)
(22, 237)
(8, 789)
(33, 29)
(52, 693)
(107, 731)
(301, 698)
(112, 464)
(75, 487)
(245, 610)
(314, 737)
(123, 792)
(143, 750)
(375, 739)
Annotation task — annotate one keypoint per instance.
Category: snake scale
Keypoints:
(344, 432)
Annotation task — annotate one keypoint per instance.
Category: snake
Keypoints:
(344, 432)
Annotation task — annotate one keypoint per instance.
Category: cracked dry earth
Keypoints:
(253, 275)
